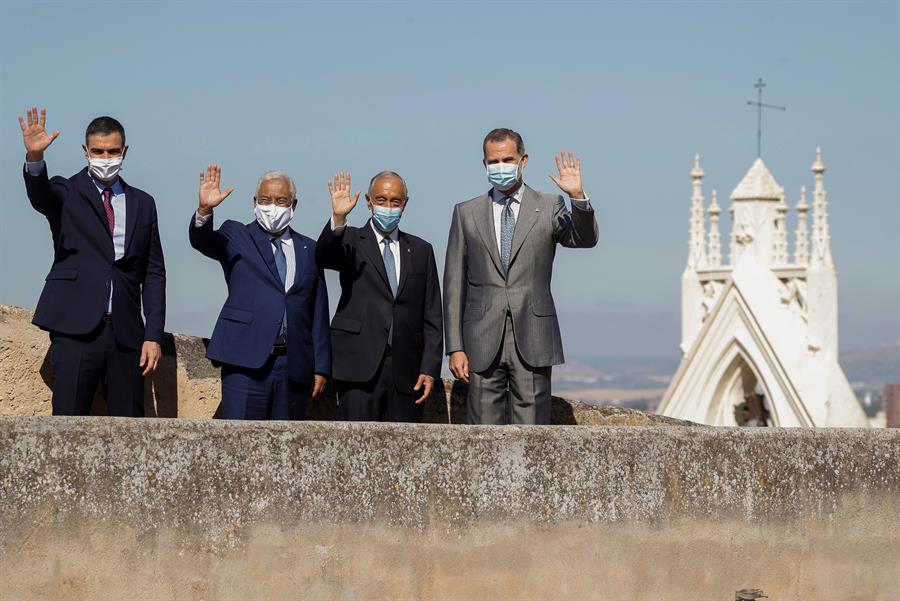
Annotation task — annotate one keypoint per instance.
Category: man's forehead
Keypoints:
(275, 182)
(110, 140)
(503, 147)
(387, 183)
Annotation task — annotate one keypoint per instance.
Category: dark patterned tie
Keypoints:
(107, 206)
(281, 266)
(507, 227)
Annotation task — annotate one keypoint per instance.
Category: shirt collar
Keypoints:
(116, 186)
(394, 235)
(498, 196)
(285, 236)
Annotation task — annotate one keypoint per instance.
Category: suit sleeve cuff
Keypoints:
(336, 230)
(582, 204)
(35, 168)
(201, 220)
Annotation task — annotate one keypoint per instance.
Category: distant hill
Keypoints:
(867, 368)
(586, 372)
(872, 367)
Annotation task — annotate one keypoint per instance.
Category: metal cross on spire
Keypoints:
(760, 105)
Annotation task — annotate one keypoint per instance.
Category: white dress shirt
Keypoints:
(499, 198)
(118, 204)
(287, 246)
(394, 244)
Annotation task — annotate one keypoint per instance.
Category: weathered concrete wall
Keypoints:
(111, 508)
(186, 384)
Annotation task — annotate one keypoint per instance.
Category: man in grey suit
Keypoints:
(500, 322)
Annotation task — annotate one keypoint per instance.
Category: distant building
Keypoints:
(892, 405)
(759, 332)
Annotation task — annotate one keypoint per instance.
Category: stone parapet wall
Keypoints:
(628, 505)
(115, 508)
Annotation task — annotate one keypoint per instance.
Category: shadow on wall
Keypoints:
(160, 389)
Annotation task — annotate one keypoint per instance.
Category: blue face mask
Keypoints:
(503, 176)
(386, 219)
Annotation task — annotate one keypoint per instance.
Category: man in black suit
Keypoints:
(107, 264)
(387, 333)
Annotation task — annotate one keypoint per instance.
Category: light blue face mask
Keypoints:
(386, 219)
(503, 176)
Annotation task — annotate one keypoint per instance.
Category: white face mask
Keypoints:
(273, 218)
(105, 169)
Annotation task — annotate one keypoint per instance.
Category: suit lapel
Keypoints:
(263, 243)
(300, 257)
(528, 216)
(405, 258)
(369, 245)
(131, 209)
(484, 222)
(92, 198)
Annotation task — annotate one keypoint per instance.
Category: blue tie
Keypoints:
(507, 227)
(281, 265)
(390, 266)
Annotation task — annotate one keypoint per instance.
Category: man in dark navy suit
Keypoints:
(272, 333)
(387, 333)
(107, 265)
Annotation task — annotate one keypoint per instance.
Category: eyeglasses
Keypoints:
(281, 201)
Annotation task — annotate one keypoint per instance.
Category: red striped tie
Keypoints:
(107, 206)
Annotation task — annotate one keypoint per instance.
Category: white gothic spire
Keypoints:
(697, 243)
(757, 184)
(801, 252)
(780, 247)
(755, 216)
(821, 246)
(714, 257)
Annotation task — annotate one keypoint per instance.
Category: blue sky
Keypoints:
(634, 88)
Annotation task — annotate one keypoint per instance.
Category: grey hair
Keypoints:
(382, 174)
(277, 175)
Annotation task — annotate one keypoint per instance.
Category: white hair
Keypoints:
(384, 174)
(276, 175)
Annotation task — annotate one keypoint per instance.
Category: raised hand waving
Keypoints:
(341, 201)
(34, 135)
(211, 195)
(569, 178)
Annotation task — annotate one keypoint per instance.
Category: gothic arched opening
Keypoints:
(740, 398)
